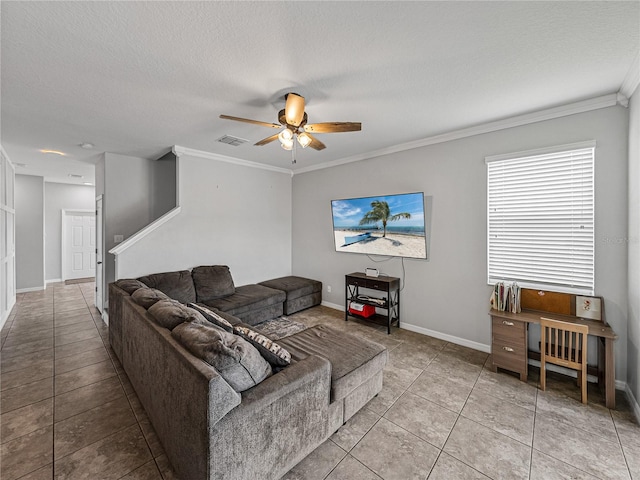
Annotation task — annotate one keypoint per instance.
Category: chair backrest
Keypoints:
(563, 343)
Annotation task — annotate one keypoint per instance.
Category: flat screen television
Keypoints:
(391, 225)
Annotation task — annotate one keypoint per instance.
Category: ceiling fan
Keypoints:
(294, 119)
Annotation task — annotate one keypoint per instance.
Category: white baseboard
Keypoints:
(449, 338)
(565, 371)
(335, 306)
(105, 317)
(432, 333)
(54, 280)
(30, 289)
(634, 402)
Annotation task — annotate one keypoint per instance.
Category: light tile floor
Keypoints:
(68, 410)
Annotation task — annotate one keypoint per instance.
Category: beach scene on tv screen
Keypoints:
(386, 225)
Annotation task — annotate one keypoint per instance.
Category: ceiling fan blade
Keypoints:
(270, 139)
(248, 120)
(294, 109)
(333, 127)
(316, 144)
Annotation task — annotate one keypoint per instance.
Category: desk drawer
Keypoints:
(510, 360)
(360, 282)
(510, 329)
(502, 345)
(509, 345)
(376, 285)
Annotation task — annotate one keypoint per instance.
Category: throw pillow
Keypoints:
(270, 350)
(130, 285)
(171, 313)
(213, 317)
(177, 285)
(212, 282)
(146, 297)
(237, 361)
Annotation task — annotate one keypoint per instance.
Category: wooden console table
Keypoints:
(509, 347)
(390, 286)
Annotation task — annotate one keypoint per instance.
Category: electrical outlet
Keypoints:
(118, 238)
(329, 288)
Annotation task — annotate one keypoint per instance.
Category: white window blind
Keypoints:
(541, 220)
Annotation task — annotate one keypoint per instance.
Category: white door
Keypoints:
(80, 258)
(99, 279)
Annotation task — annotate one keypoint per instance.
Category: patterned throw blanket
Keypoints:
(279, 327)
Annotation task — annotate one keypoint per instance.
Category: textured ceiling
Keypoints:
(135, 78)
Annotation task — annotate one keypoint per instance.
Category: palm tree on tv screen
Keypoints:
(380, 212)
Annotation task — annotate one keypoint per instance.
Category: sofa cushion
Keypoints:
(354, 360)
(239, 363)
(171, 313)
(178, 285)
(146, 297)
(295, 287)
(273, 353)
(213, 317)
(248, 298)
(129, 285)
(212, 282)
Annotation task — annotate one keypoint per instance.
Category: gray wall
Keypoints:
(163, 185)
(633, 331)
(135, 192)
(448, 293)
(127, 204)
(230, 214)
(29, 232)
(59, 196)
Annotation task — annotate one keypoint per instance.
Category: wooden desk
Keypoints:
(509, 345)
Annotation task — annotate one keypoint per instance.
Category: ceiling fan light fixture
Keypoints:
(294, 109)
(287, 144)
(285, 135)
(304, 139)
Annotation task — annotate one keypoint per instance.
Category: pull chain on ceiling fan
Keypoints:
(294, 119)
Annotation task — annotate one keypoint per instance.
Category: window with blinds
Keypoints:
(541, 218)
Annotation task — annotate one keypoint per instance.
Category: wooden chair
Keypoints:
(564, 344)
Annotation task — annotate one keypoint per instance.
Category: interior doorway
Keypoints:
(78, 244)
(99, 265)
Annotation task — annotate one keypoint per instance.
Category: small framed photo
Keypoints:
(588, 307)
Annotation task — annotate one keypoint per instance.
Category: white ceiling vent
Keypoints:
(231, 140)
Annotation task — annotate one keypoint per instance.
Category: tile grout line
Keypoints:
(137, 421)
(52, 419)
(624, 455)
(53, 429)
(54, 399)
(533, 433)
(454, 426)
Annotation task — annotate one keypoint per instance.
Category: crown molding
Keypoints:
(632, 79)
(519, 120)
(179, 151)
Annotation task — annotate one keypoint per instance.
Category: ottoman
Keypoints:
(301, 292)
(356, 366)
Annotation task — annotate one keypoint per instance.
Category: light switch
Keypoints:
(118, 238)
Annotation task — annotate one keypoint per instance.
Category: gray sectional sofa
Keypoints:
(209, 429)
